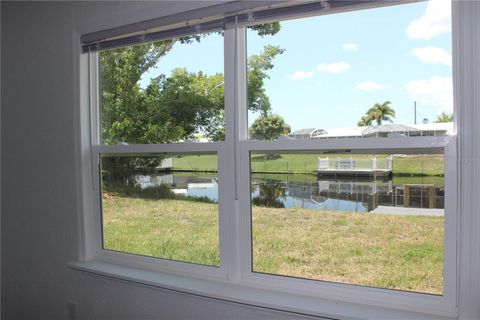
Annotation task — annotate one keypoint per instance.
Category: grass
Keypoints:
(207, 162)
(171, 229)
(419, 165)
(397, 252)
(302, 163)
(435, 180)
(387, 251)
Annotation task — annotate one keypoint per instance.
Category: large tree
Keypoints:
(174, 107)
(171, 108)
(257, 67)
(378, 113)
(268, 127)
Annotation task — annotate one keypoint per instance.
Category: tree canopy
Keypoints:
(257, 67)
(172, 107)
(268, 127)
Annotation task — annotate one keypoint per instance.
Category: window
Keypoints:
(351, 222)
(176, 98)
(155, 202)
(277, 161)
(373, 218)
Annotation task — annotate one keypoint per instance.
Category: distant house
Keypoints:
(390, 130)
(307, 133)
(342, 133)
(386, 130)
(435, 129)
(415, 130)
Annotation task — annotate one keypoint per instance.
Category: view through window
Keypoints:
(162, 205)
(169, 213)
(367, 219)
(373, 218)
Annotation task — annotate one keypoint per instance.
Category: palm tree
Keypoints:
(381, 112)
(444, 118)
(366, 120)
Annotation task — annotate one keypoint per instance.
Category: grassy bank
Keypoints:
(401, 252)
(303, 163)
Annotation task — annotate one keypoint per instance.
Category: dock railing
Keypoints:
(355, 164)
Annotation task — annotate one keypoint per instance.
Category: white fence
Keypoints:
(355, 164)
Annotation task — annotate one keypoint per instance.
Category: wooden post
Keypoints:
(406, 196)
(431, 197)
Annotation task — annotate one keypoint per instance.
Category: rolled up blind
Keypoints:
(218, 17)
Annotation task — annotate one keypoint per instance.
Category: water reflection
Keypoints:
(187, 184)
(354, 194)
(307, 191)
(269, 195)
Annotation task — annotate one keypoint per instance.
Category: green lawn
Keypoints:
(398, 252)
(197, 163)
(302, 163)
(171, 229)
(387, 251)
(419, 165)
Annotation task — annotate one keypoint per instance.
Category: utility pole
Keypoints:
(414, 112)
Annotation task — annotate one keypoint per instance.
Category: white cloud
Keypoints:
(433, 55)
(350, 46)
(335, 67)
(300, 75)
(435, 21)
(436, 92)
(369, 86)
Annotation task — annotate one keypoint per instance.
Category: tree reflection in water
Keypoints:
(269, 194)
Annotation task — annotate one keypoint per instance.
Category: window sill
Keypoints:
(247, 295)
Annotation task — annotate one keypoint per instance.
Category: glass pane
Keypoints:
(371, 220)
(163, 206)
(159, 93)
(383, 72)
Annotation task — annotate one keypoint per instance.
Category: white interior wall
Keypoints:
(39, 186)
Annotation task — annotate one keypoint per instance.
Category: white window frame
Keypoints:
(234, 203)
(98, 149)
(441, 305)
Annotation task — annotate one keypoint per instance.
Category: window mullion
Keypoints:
(242, 165)
(236, 128)
(451, 222)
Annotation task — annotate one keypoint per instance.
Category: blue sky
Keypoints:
(337, 66)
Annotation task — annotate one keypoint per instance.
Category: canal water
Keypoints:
(308, 191)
